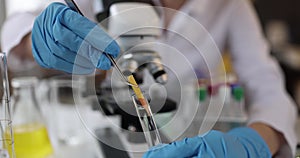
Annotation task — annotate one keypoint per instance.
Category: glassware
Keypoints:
(66, 99)
(7, 140)
(70, 118)
(147, 121)
(30, 132)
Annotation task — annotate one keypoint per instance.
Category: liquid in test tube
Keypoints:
(145, 115)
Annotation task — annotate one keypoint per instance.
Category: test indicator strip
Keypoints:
(139, 93)
(145, 115)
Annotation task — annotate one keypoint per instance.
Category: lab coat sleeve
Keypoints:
(15, 28)
(20, 21)
(268, 101)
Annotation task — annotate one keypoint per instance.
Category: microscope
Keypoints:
(137, 28)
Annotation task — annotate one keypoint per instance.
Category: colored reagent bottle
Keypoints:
(238, 103)
(30, 133)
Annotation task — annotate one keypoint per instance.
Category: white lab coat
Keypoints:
(231, 23)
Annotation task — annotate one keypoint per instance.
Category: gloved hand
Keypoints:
(63, 39)
(241, 142)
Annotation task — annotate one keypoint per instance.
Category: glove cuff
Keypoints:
(251, 137)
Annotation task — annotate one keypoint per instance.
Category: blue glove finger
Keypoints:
(63, 53)
(63, 38)
(50, 27)
(113, 49)
(217, 145)
(39, 52)
(238, 143)
(98, 59)
(256, 146)
(62, 65)
(92, 33)
(84, 49)
(66, 37)
(104, 63)
(49, 60)
(187, 147)
(70, 57)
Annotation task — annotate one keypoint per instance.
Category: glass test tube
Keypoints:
(147, 122)
(6, 133)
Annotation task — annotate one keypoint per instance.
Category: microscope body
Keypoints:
(137, 27)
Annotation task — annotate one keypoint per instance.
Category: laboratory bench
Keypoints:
(106, 139)
(100, 136)
(88, 125)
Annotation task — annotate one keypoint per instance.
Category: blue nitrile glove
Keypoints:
(63, 39)
(241, 142)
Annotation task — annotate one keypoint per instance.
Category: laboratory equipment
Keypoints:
(137, 38)
(66, 95)
(238, 103)
(234, 103)
(147, 121)
(145, 115)
(137, 27)
(154, 66)
(30, 132)
(69, 118)
(6, 132)
(107, 104)
(229, 96)
(197, 120)
(116, 147)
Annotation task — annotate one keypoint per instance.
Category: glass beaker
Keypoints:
(7, 140)
(147, 121)
(65, 99)
(30, 132)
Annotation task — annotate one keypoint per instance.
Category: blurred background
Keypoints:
(2, 14)
(280, 21)
(281, 24)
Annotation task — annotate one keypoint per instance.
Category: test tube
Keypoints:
(145, 114)
(147, 121)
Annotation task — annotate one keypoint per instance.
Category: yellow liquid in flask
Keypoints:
(32, 141)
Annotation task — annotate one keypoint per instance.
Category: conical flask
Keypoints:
(30, 133)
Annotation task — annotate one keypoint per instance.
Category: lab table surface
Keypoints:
(100, 135)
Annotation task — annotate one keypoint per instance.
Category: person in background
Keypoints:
(58, 32)
(16, 39)
(282, 32)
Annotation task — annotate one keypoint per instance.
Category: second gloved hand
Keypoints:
(238, 143)
(63, 39)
